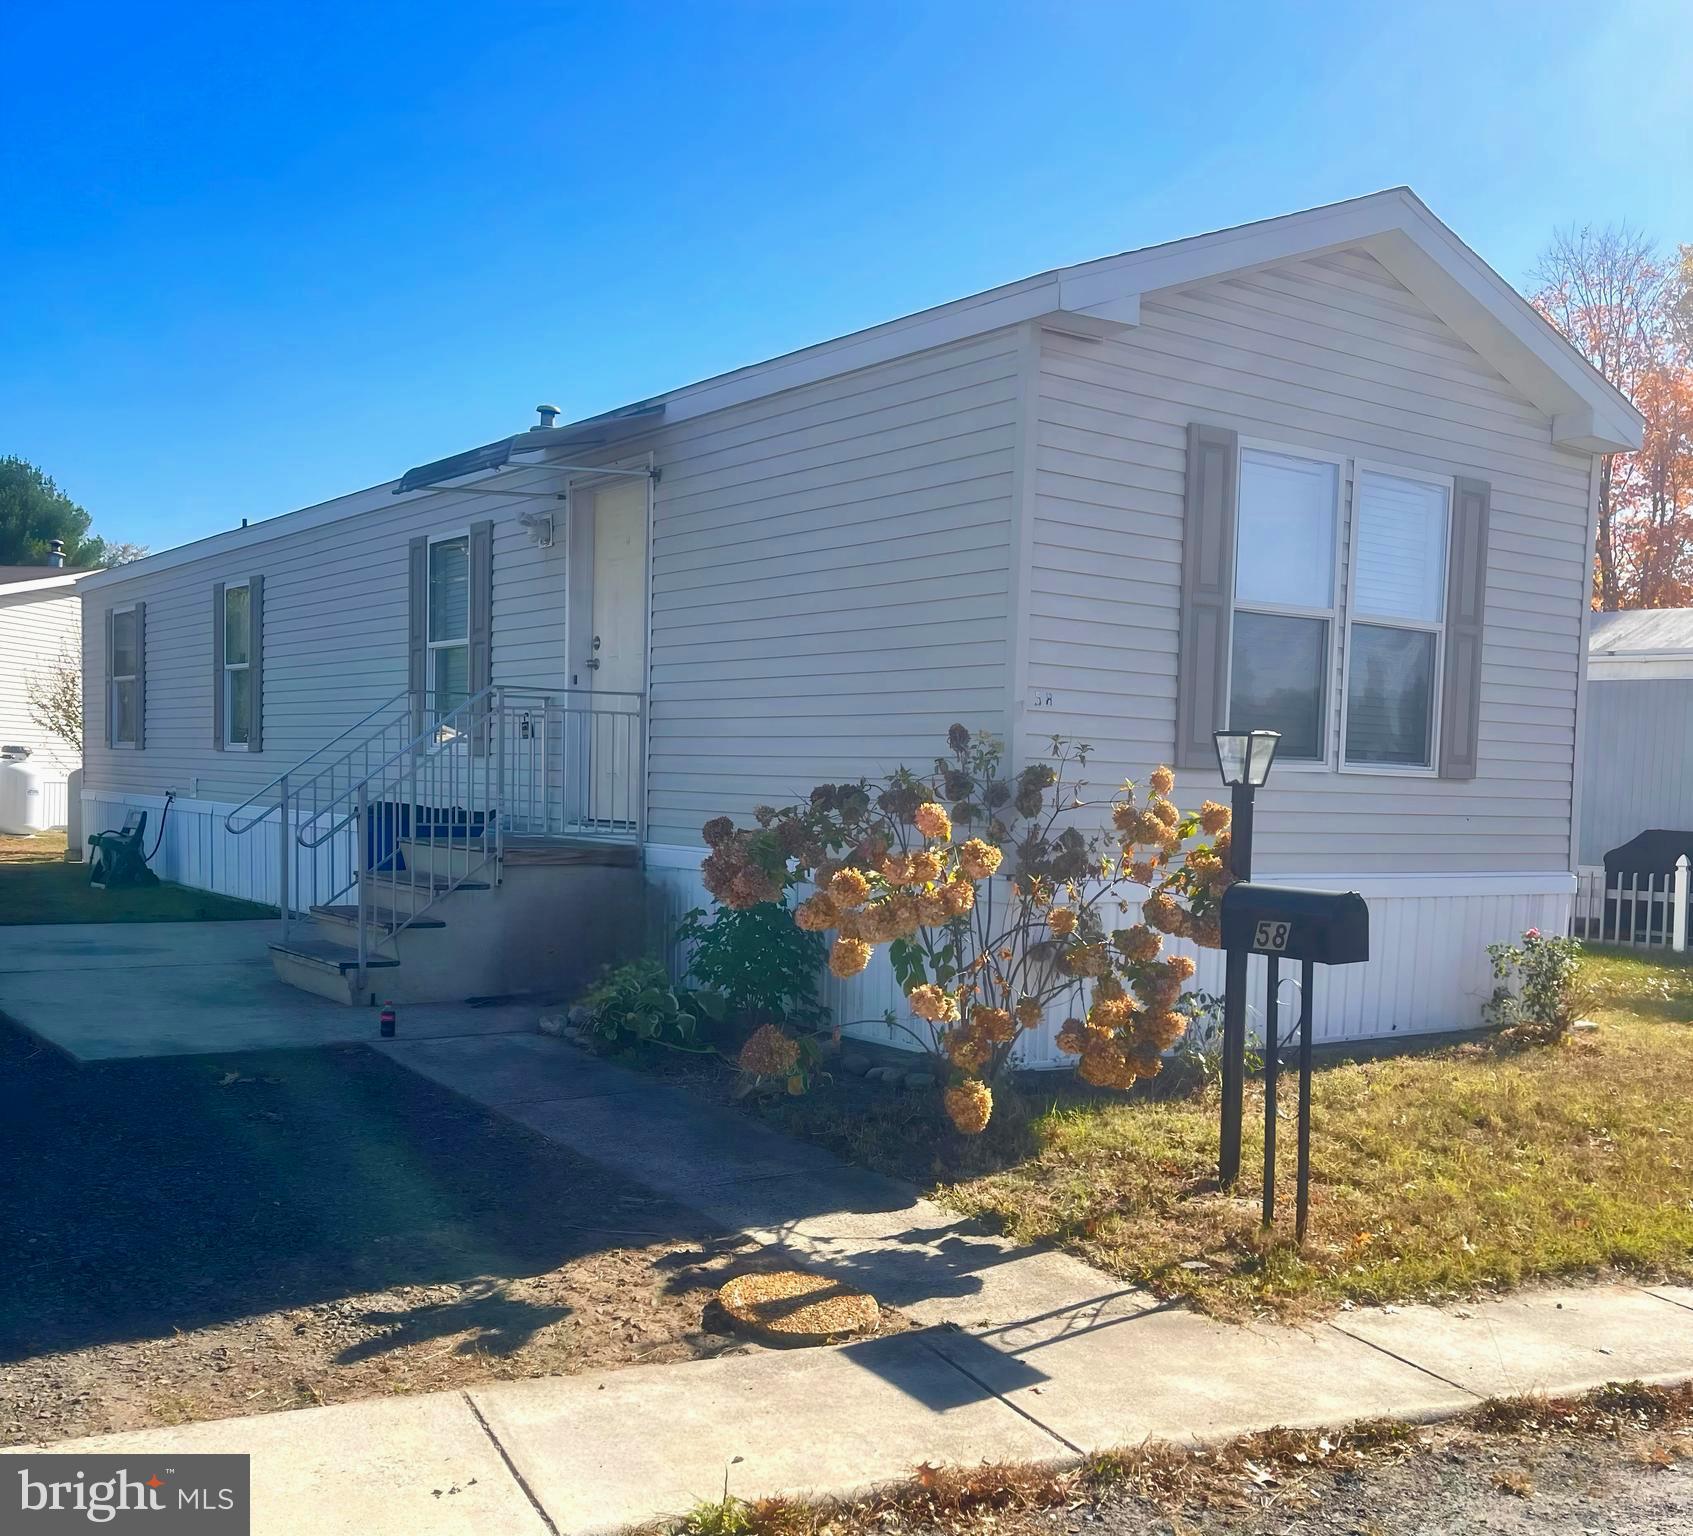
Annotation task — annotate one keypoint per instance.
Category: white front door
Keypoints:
(617, 661)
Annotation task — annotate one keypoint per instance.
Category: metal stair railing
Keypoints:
(389, 723)
(418, 825)
(404, 817)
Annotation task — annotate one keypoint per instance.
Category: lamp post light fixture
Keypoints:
(1243, 760)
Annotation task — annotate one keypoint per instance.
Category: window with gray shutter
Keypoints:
(1208, 533)
(1466, 617)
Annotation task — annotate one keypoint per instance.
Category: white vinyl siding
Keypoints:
(335, 602)
(36, 629)
(1333, 355)
(830, 582)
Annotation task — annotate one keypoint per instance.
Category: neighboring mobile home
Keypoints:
(1637, 730)
(40, 629)
(1326, 473)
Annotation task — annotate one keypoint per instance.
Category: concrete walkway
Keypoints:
(1022, 1354)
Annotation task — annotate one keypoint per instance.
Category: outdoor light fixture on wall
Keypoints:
(1243, 759)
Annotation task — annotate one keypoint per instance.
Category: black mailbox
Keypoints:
(1327, 927)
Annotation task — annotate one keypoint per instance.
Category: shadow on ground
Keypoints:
(145, 1198)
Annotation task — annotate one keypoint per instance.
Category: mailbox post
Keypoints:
(1314, 928)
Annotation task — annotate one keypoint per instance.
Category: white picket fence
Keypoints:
(1644, 911)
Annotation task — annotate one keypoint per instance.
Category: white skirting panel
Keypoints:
(197, 849)
(1429, 970)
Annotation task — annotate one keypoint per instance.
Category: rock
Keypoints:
(1584, 1025)
(919, 1082)
(551, 1024)
(580, 1015)
(855, 1062)
(790, 1307)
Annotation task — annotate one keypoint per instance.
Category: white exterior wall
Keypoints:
(830, 570)
(1637, 760)
(1330, 354)
(335, 607)
(36, 628)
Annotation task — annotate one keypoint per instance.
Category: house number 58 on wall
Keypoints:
(1271, 936)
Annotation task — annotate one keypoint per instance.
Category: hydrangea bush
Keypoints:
(996, 905)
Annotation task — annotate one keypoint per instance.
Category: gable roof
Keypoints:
(1636, 633)
(1093, 298)
(15, 579)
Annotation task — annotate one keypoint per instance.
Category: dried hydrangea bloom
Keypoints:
(849, 887)
(1139, 945)
(993, 1024)
(718, 831)
(817, 914)
(1213, 817)
(933, 1003)
(1072, 1037)
(933, 822)
(959, 895)
(966, 1049)
(969, 1105)
(769, 1053)
(1162, 780)
(1166, 812)
(1062, 921)
(1030, 1013)
(848, 957)
(979, 859)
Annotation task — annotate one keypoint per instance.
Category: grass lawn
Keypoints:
(38, 886)
(1467, 1167)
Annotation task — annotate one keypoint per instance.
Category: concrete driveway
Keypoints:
(104, 990)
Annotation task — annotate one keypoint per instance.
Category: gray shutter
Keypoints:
(217, 667)
(140, 677)
(256, 662)
(417, 620)
(106, 713)
(1466, 616)
(1208, 530)
(481, 654)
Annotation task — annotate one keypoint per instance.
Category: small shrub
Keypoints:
(756, 957)
(1535, 1000)
(1200, 1049)
(635, 1003)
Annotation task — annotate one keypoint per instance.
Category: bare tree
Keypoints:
(1609, 293)
(54, 696)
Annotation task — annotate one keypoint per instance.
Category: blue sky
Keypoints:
(255, 256)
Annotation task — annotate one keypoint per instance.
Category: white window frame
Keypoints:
(1437, 628)
(230, 744)
(1333, 614)
(113, 679)
(431, 646)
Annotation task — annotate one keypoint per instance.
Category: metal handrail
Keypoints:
(426, 741)
(283, 777)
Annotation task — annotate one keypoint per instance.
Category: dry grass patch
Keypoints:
(1285, 1469)
(1460, 1169)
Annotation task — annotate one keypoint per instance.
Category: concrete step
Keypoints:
(322, 966)
(409, 891)
(339, 918)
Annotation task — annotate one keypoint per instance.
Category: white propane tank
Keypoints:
(23, 795)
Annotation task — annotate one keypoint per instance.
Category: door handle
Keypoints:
(592, 663)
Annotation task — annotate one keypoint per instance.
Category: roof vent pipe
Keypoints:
(549, 418)
(56, 552)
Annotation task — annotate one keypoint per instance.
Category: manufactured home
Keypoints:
(1637, 732)
(1327, 473)
(40, 634)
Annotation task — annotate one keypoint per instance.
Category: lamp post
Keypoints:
(1243, 759)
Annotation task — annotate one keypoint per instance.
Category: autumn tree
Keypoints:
(1629, 312)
